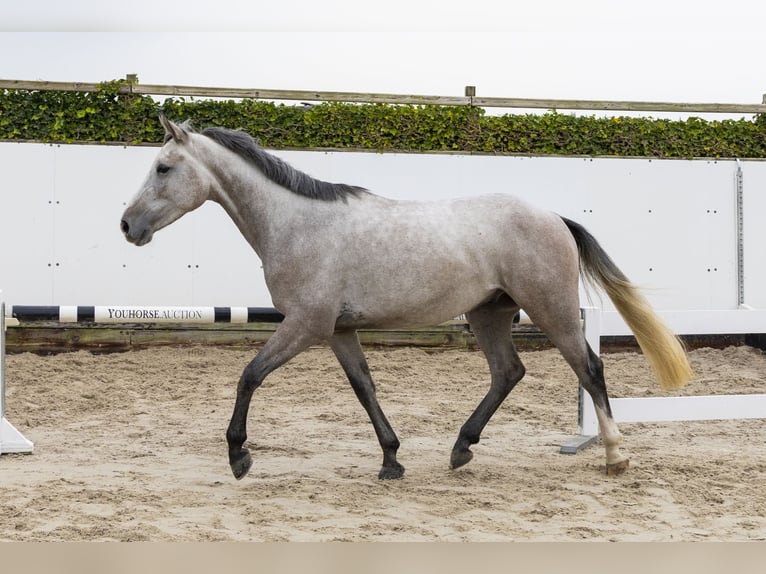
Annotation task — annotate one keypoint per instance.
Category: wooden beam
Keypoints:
(245, 93)
(358, 97)
(300, 95)
(51, 86)
(626, 106)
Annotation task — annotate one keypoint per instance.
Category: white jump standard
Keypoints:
(669, 408)
(11, 440)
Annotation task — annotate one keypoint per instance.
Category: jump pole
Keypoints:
(11, 440)
(143, 314)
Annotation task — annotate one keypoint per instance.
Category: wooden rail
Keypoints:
(132, 86)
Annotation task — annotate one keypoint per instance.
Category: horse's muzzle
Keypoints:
(135, 234)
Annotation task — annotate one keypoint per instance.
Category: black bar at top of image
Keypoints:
(222, 314)
(86, 314)
(35, 313)
(263, 315)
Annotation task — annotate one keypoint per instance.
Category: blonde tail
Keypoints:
(662, 348)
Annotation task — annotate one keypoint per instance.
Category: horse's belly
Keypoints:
(413, 306)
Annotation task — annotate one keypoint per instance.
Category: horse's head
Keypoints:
(176, 184)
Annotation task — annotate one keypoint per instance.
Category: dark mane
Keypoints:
(279, 171)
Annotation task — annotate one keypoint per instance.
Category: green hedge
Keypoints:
(107, 116)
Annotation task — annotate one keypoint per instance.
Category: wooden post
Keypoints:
(470, 93)
(132, 80)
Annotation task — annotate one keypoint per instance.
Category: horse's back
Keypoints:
(423, 262)
(503, 227)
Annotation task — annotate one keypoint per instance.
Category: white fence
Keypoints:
(672, 225)
(658, 409)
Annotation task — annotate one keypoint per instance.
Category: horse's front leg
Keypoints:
(349, 352)
(288, 340)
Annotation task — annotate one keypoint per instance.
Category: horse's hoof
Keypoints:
(391, 472)
(241, 465)
(617, 468)
(460, 457)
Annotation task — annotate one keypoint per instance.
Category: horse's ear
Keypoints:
(173, 131)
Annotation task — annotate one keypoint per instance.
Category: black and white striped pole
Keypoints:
(142, 314)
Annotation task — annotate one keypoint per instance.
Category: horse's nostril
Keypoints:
(124, 226)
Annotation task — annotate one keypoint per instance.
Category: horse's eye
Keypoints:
(162, 168)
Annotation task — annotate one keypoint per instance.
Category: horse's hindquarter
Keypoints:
(386, 263)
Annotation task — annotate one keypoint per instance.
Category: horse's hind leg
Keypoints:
(594, 383)
(566, 334)
(349, 352)
(491, 323)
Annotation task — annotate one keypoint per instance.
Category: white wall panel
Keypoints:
(670, 224)
(27, 200)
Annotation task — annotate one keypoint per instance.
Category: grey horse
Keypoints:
(337, 258)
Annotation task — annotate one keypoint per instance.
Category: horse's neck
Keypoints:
(257, 206)
(242, 202)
